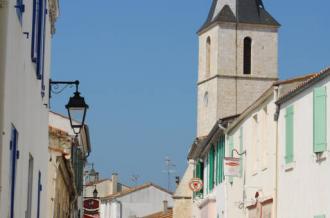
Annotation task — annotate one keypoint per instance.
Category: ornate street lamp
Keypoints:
(95, 193)
(76, 106)
(77, 109)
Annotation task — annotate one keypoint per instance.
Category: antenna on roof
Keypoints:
(169, 169)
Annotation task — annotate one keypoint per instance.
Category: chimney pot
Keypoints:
(114, 181)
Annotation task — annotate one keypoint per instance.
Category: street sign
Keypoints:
(196, 184)
(232, 166)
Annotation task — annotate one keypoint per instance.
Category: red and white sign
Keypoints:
(196, 184)
(91, 204)
(91, 208)
(232, 166)
(91, 216)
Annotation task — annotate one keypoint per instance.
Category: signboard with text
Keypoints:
(232, 166)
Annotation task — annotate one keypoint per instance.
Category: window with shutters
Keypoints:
(289, 135)
(38, 38)
(320, 119)
(247, 55)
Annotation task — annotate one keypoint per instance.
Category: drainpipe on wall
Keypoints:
(3, 39)
(276, 115)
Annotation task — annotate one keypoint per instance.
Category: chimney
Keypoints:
(165, 206)
(114, 179)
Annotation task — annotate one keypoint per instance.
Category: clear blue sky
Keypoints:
(137, 63)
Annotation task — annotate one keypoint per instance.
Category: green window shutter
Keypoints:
(220, 161)
(319, 216)
(211, 169)
(231, 147)
(216, 165)
(241, 149)
(289, 133)
(199, 174)
(222, 153)
(320, 119)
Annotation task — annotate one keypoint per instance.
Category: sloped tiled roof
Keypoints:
(134, 189)
(168, 214)
(313, 78)
(248, 11)
(293, 83)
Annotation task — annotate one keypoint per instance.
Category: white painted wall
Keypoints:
(23, 107)
(259, 142)
(304, 190)
(139, 203)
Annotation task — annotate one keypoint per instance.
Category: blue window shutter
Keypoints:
(13, 166)
(39, 194)
(43, 49)
(20, 8)
(34, 38)
(40, 38)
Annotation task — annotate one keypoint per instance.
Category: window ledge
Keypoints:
(209, 198)
(321, 156)
(289, 166)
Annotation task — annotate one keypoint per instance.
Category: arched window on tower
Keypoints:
(208, 56)
(247, 55)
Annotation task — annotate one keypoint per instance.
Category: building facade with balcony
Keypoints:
(26, 29)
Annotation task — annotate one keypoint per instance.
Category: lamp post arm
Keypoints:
(57, 83)
(236, 151)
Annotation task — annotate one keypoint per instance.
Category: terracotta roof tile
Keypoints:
(168, 214)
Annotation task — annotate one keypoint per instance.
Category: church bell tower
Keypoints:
(238, 59)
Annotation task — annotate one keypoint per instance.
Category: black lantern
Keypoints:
(77, 108)
(95, 193)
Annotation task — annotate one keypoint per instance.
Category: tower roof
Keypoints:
(248, 11)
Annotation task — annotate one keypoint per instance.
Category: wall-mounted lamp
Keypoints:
(76, 106)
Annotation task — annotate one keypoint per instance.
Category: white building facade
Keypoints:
(136, 202)
(26, 28)
(303, 150)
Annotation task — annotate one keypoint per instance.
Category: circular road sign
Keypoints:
(196, 184)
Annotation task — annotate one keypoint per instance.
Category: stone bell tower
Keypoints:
(238, 58)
